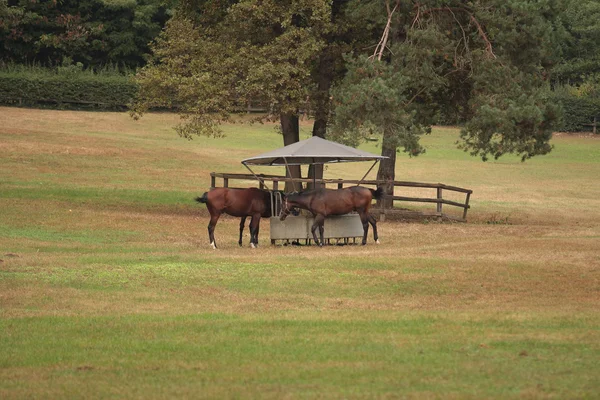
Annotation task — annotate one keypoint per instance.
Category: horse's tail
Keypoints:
(203, 199)
(377, 194)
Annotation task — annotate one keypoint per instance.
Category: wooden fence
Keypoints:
(594, 125)
(437, 197)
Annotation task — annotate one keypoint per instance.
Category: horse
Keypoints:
(324, 202)
(251, 202)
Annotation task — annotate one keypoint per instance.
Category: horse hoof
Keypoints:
(252, 245)
(214, 246)
(377, 241)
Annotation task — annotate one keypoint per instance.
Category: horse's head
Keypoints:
(287, 208)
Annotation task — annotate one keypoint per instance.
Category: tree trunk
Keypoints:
(387, 169)
(326, 72)
(290, 128)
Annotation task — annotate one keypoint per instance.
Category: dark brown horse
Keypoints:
(251, 202)
(325, 202)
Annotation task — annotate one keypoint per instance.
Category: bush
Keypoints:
(579, 107)
(65, 87)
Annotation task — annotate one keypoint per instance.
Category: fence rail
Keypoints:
(379, 210)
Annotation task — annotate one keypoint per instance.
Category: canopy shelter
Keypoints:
(315, 150)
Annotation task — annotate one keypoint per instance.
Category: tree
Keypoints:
(484, 62)
(91, 32)
(215, 57)
(576, 77)
(580, 48)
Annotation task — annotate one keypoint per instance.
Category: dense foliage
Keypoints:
(580, 44)
(91, 32)
(483, 61)
(215, 57)
(580, 104)
(576, 76)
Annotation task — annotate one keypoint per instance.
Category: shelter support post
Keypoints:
(262, 182)
(290, 173)
(363, 178)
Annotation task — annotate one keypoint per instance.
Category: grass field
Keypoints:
(109, 289)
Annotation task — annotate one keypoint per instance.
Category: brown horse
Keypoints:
(252, 202)
(325, 202)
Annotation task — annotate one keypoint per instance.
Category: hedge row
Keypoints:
(72, 89)
(578, 112)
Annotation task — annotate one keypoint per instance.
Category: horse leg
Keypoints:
(257, 229)
(365, 223)
(242, 222)
(319, 221)
(373, 223)
(254, 225)
(211, 229)
(322, 231)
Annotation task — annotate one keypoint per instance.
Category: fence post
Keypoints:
(466, 205)
(439, 203)
(212, 181)
(275, 185)
(225, 182)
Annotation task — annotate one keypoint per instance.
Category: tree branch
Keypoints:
(451, 10)
(382, 45)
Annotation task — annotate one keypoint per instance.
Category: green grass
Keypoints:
(216, 355)
(75, 195)
(108, 288)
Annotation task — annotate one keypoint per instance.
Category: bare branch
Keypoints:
(416, 19)
(382, 45)
(451, 10)
(488, 44)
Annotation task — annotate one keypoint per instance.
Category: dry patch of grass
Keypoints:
(107, 279)
(418, 267)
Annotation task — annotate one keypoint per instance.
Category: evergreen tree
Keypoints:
(580, 44)
(576, 77)
(90, 32)
(483, 62)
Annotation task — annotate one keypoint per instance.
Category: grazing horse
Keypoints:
(325, 202)
(252, 202)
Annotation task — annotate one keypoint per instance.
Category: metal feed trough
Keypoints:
(313, 151)
(342, 229)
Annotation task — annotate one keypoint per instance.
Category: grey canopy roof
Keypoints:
(312, 151)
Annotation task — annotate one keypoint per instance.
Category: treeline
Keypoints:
(89, 33)
(82, 54)
(75, 54)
